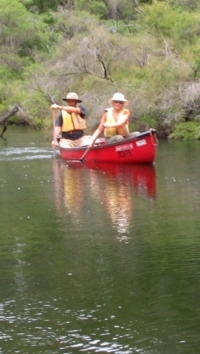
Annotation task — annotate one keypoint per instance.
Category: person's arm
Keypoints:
(99, 130)
(57, 129)
(69, 109)
(123, 120)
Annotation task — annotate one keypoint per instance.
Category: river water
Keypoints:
(98, 258)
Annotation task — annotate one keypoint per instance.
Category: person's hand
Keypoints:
(90, 143)
(106, 125)
(54, 143)
(54, 106)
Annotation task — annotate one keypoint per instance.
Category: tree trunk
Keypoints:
(4, 120)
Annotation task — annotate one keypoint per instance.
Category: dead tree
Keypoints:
(4, 120)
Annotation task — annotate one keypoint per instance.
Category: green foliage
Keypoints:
(148, 50)
(94, 7)
(128, 10)
(161, 19)
(193, 59)
(197, 133)
(40, 6)
(121, 26)
(186, 131)
(185, 4)
(37, 104)
(22, 35)
(69, 24)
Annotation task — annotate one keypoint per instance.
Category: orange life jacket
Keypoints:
(72, 121)
(122, 130)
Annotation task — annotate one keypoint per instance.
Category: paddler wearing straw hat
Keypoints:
(70, 123)
(115, 121)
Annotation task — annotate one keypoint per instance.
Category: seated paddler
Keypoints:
(114, 121)
(70, 123)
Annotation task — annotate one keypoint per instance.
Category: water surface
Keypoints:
(98, 258)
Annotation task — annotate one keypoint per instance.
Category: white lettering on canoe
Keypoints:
(124, 147)
(141, 142)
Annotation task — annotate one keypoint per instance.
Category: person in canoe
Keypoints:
(70, 124)
(115, 121)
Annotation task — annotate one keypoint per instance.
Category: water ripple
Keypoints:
(30, 153)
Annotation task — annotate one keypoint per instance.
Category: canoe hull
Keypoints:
(140, 149)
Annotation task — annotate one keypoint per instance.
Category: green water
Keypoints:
(98, 259)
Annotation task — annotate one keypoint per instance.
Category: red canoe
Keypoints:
(139, 150)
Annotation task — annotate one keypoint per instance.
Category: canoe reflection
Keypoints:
(141, 177)
(111, 185)
(69, 188)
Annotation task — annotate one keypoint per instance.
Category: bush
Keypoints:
(186, 131)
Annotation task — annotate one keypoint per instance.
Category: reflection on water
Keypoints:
(110, 185)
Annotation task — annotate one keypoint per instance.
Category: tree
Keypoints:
(185, 4)
(94, 7)
(41, 6)
(164, 21)
(22, 35)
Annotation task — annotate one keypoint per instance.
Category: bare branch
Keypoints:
(4, 120)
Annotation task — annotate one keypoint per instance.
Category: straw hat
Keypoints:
(72, 96)
(118, 97)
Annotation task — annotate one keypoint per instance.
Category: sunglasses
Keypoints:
(121, 102)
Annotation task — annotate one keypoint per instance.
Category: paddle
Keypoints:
(54, 119)
(85, 153)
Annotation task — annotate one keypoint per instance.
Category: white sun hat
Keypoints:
(118, 97)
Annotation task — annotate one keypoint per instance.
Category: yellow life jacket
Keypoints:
(122, 130)
(72, 121)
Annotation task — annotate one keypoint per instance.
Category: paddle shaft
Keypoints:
(85, 153)
(54, 119)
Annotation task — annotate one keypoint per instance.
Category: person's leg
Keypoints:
(132, 135)
(114, 139)
(85, 140)
(67, 143)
